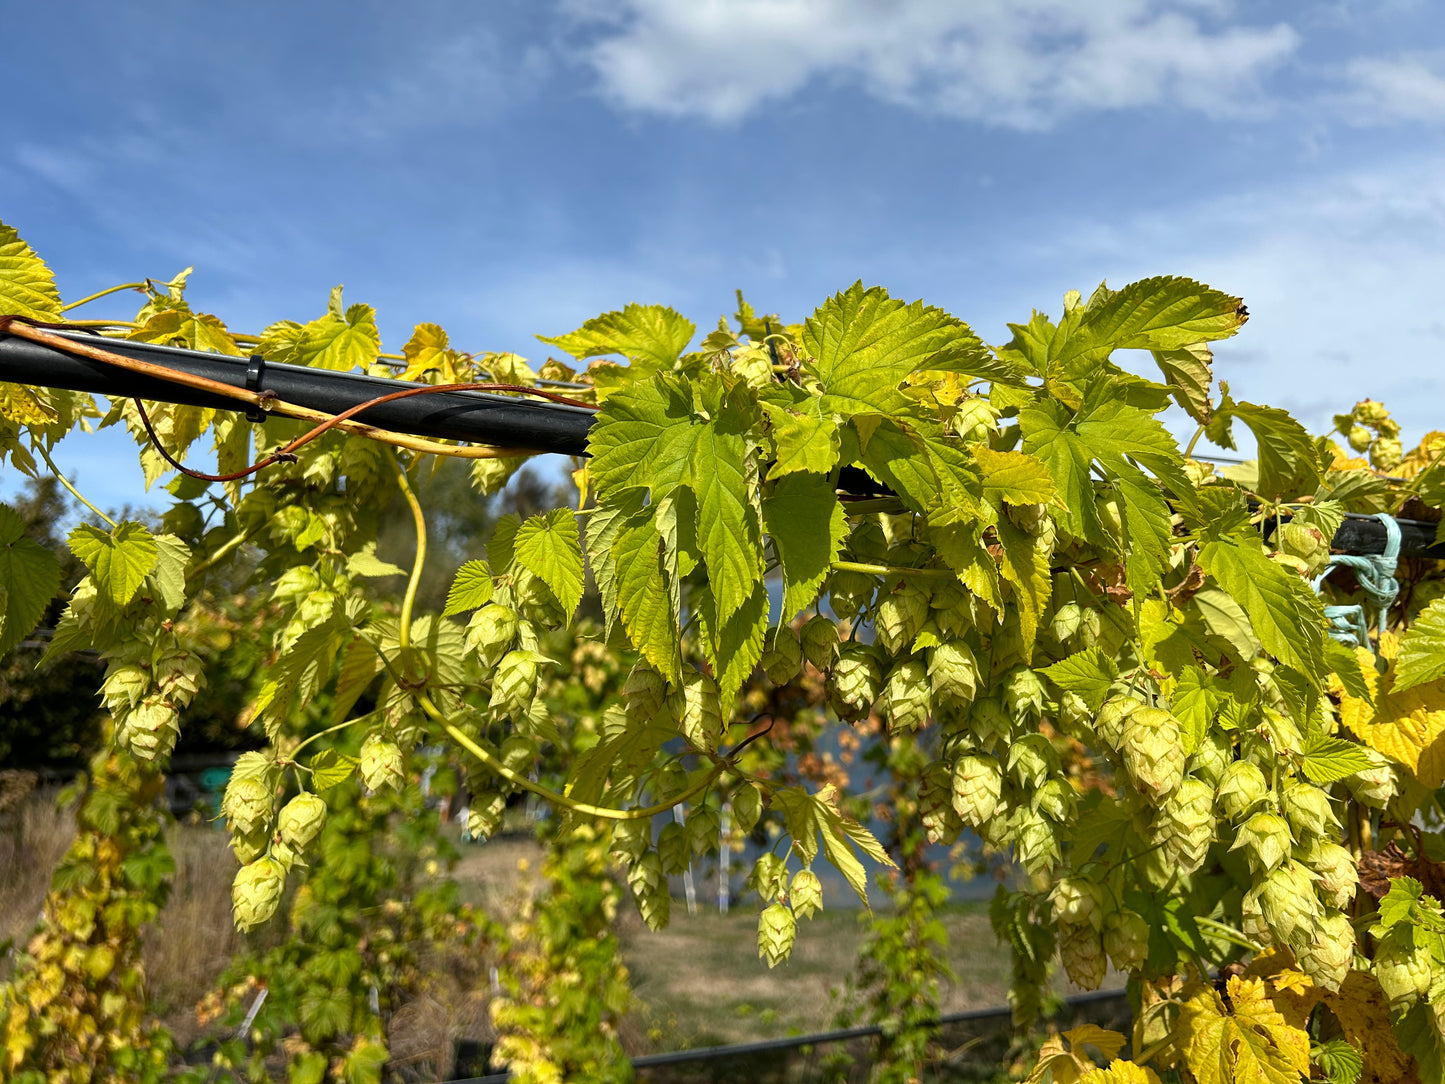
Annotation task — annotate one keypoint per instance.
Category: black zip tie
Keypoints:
(255, 370)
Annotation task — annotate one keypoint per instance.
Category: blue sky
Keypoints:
(506, 168)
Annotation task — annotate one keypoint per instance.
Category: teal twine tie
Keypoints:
(1376, 573)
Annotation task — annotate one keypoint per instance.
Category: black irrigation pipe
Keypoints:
(479, 417)
(765, 1046)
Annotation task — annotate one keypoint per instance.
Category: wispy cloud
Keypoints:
(1009, 63)
(1391, 90)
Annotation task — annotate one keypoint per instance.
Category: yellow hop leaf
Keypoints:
(1241, 1040)
(1122, 1072)
(1063, 1060)
(1407, 727)
(22, 406)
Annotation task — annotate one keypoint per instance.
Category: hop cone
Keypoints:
(1109, 723)
(977, 785)
(1335, 867)
(777, 929)
(1306, 543)
(536, 601)
(784, 656)
(702, 829)
(1403, 968)
(1036, 839)
(1078, 901)
(301, 820)
(630, 839)
(256, 892)
(247, 847)
(1126, 939)
(1083, 955)
(770, 876)
(1307, 808)
(1032, 759)
(1266, 840)
(491, 632)
(1057, 799)
(518, 754)
(125, 686)
(848, 592)
(701, 718)
(1241, 788)
(1152, 751)
(247, 804)
(484, 815)
(1359, 438)
(747, 807)
(645, 690)
(953, 672)
(649, 888)
(1288, 902)
(819, 641)
(900, 616)
(673, 849)
(806, 894)
(907, 696)
(1325, 955)
(381, 764)
(1212, 757)
(1386, 453)
(989, 721)
(1186, 824)
(1023, 693)
(935, 805)
(1373, 787)
(855, 681)
(515, 682)
(150, 729)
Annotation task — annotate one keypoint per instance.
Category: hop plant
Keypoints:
(777, 929)
(649, 889)
(150, 729)
(977, 786)
(989, 721)
(1307, 808)
(1404, 968)
(953, 672)
(631, 838)
(1109, 723)
(1152, 751)
(248, 803)
(1326, 954)
(783, 657)
(1032, 760)
(1082, 954)
(1335, 867)
(1359, 437)
(1078, 901)
(515, 682)
(935, 805)
(907, 696)
(256, 892)
(1307, 544)
(1241, 788)
(806, 895)
(1126, 939)
(700, 719)
(1057, 799)
(849, 592)
(770, 876)
(1036, 839)
(673, 849)
(900, 616)
(702, 829)
(1212, 758)
(1023, 693)
(1288, 902)
(484, 815)
(1265, 839)
(491, 632)
(249, 846)
(301, 820)
(855, 681)
(644, 690)
(747, 806)
(1186, 824)
(381, 764)
(1387, 453)
(1374, 786)
(819, 641)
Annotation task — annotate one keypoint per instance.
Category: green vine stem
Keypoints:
(66, 483)
(419, 519)
(892, 570)
(142, 286)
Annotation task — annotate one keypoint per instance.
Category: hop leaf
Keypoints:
(777, 929)
(256, 892)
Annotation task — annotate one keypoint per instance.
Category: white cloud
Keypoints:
(1388, 90)
(1012, 63)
